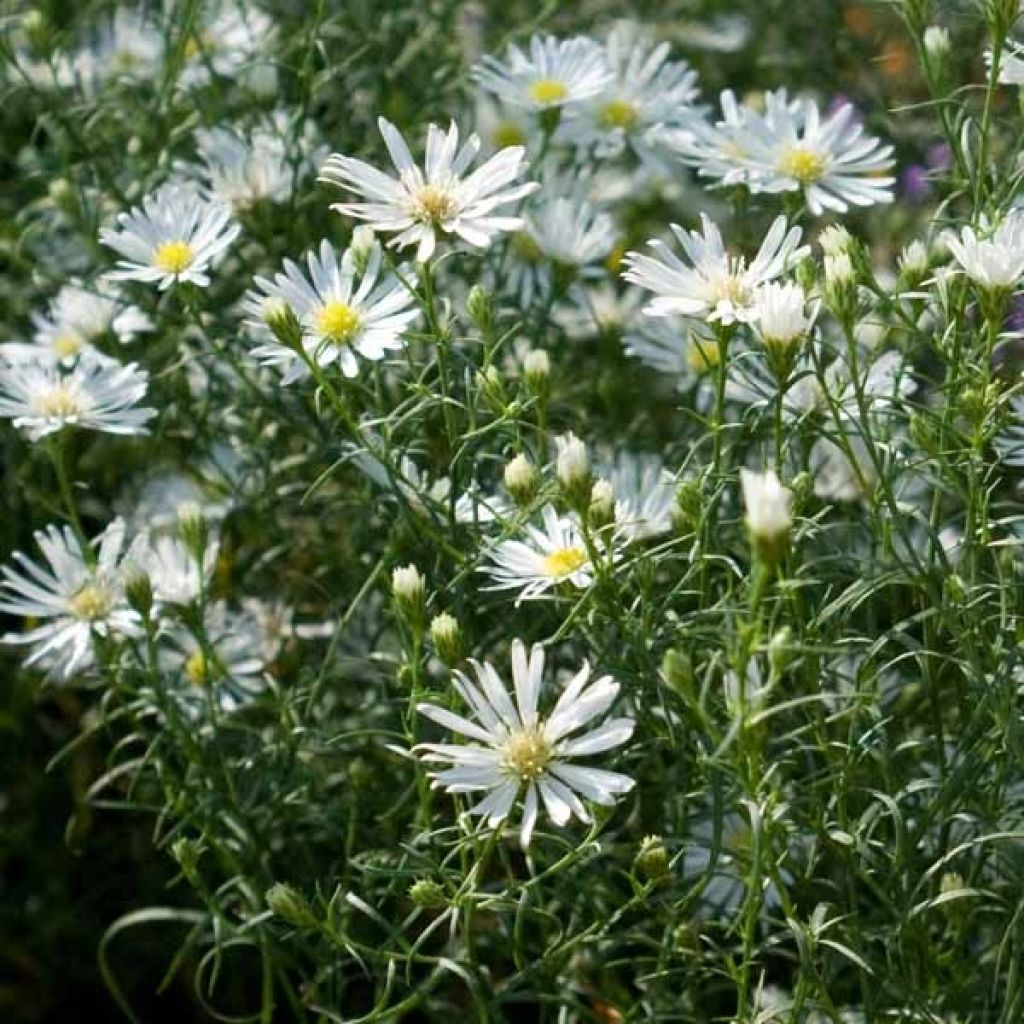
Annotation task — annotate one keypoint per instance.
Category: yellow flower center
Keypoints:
(92, 602)
(701, 356)
(197, 669)
(59, 401)
(526, 754)
(434, 203)
(619, 114)
(564, 561)
(337, 321)
(547, 91)
(173, 257)
(66, 344)
(802, 163)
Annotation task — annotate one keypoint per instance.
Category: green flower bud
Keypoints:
(447, 638)
(291, 906)
(652, 860)
(427, 893)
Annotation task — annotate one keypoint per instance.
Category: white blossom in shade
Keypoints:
(780, 313)
(676, 346)
(768, 504)
(227, 670)
(439, 199)
(344, 312)
(562, 237)
(1011, 64)
(836, 477)
(95, 394)
(546, 557)
(995, 259)
(242, 170)
(69, 597)
(76, 318)
(427, 496)
(599, 308)
(791, 147)
(516, 746)
(162, 500)
(714, 286)
(644, 495)
(231, 41)
(175, 236)
(176, 575)
(647, 89)
(552, 74)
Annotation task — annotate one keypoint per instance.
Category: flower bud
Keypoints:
(936, 45)
(480, 307)
(537, 371)
(677, 671)
(573, 469)
(409, 588)
(447, 638)
(63, 195)
(521, 480)
(427, 893)
(290, 906)
(602, 504)
(835, 239)
(361, 246)
(652, 860)
(192, 527)
(138, 589)
(187, 853)
(769, 513)
(913, 263)
(279, 316)
(780, 651)
(689, 506)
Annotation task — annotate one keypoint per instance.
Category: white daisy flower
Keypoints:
(996, 259)
(555, 73)
(715, 286)
(76, 318)
(646, 89)
(790, 147)
(165, 498)
(127, 48)
(601, 308)
(244, 170)
(173, 237)
(645, 495)
(343, 313)
(74, 594)
(780, 312)
(228, 668)
(561, 236)
(516, 746)
(549, 556)
(175, 574)
(231, 42)
(1011, 64)
(836, 478)
(440, 199)
(427, 496)
(97, 393)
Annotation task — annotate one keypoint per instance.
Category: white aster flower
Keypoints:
(173, 237)
(343, 313)
(789, 147)
(175, 574)
(562, 236)
(227, 668)
(768, 505)
(549, 556)
(995, 260)
(243, 170)
(1011, 64)
(231, 41)
(439, 199)
(555, 73)
(97, 393)
(516, 746)
(646, 89)
(126, 47)
(75, 319)
(601, 308)
(715, 286)
(644, 495)
(74, 594)
(836, 478)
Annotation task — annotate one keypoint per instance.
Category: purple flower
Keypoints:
(916, 186)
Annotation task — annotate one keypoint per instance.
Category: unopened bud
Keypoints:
(573, 469)
(602, 504)
(427, 893)
(480, 307)
(537, 371)
(361, 246)
(447, 638)
(290, 906)
(279, 316)
(409, 588)
(521, 480)
(138, 589)
(187, 853)
(652, 860)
